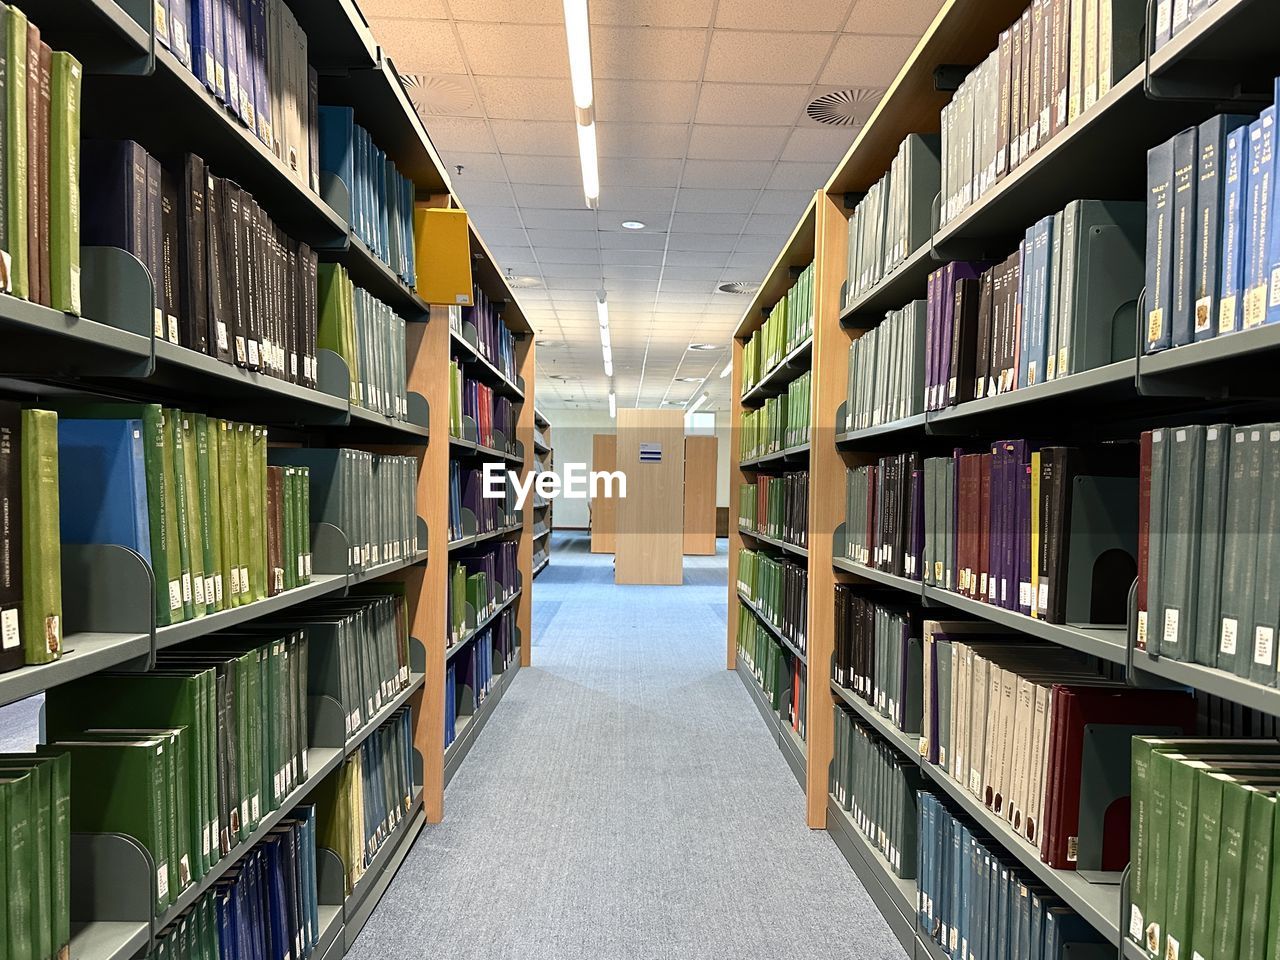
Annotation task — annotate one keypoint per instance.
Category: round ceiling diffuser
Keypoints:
(438, 96)
(844, 108)
(739, 289)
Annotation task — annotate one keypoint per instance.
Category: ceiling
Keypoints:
(703, 137)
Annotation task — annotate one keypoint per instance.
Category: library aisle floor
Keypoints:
(625, 801)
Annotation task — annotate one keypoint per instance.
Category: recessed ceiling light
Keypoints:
(705, 346)
(632, 225)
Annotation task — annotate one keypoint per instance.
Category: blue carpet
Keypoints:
(625, 802)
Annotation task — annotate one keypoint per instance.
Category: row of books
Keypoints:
(974, 901)
(1204, 842)
(1209, 574)
(1212, 245)
(1006, 717)
(782, 678)
(483, 578)
(779, 588)
(780, 423)
(269, 906)
(490, 412)
(886, 370)
(495, 342)
(252, 56)
(359, 805)
(1051, 532)
(228, 282)
(187, 759)
(370, 497)
(777, 506)
(1172, 18)
(786, 326)
(39, 166)
(381, 198)
(1063, 303)
(35, 814)
(467, 492)
(878, 655)
(472, 675)
(879, 787)
(895, 218)
(370, 338)
(1051, 65)
(884, 515)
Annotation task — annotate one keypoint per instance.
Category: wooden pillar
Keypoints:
(524, 552)
(737, 477)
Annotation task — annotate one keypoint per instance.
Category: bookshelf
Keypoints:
(111, 352)
(543, 521)
(1219, 62)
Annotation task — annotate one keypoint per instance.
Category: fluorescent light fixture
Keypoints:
(613, 406)
(604, 338)
(608, 365)
(694, 409)
(632, 225)
(602, 310)
(577, 28)
(590, 162)
(728, 369)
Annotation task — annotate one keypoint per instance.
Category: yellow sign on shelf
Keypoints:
(442, 246)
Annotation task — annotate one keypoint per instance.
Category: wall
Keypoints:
(571, 432)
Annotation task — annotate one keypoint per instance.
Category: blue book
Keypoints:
(222, 912)
(1063, 926)
(1235, 181)
(1036, 951)
(1158, 335)
(410, 260)
(277, 938)
(230, 52)
(1271, 265)
(336, 144)
(1186, 150)
(261, 91)
(1210, 225)
(203, 51)
(1042, 257)
(180, 30)
(102, 479)
(924, 884)
(244, 63)
(1258, 218)
(218, 26)
(380, 170)
(962, 895)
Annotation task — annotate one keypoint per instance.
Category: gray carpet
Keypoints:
(625, 801)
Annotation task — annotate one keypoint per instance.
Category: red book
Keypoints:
(1144, 533)
(984, 526)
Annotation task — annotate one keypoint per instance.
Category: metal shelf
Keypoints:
(786, 370)
(912, 424)
(895, 897)
(488, 372)
(481, 537)
(546, 562)
(777, 634)
(469, 447)
(904, 283)
(771, 541)
(1233, 41)
(798, 452)
(787, 742)
(108, 940)
(451, 651)
(905, 584)
(382, 569)
(321, 584)
(906, 744)
(82, 654)
(373, 883)
(101, 33)
(370, 273)
(468, 728)
(1233, 364)
(1211, 680)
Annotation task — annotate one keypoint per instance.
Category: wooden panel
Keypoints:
(604, 510)
(701, 456)
(737, 477)
(826, 494)
(650, 541)
(524, 552)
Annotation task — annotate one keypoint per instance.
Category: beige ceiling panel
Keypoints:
(893, 16)
(643, 53)
(769, 245)
(574, 289)
(656, 140)
(652, 13)
(633, 240)
(543, 219)
(644, 101)
(515, 50)
(484, 193)
(507, 237)
(724, 174)
(677, 272)
(861, 60)
(705, 241)
(758, 103)
(754, 264)
(790, 202)
(460, 134)
(708, 222)
(486, 218)
(770, 225)
(749, 57)
(800, 176)
(650, 258)
(621, 271)
(562, 238)
(825, 15)
(536, 137)
(698, 200)
(640, 172)
(827, 144)
(427, 47)
(556, 171)
(417, 9)
(567, 255)
(737, 143)
(705, 287)
(520, 98)
(551, 197)
(697, 258)
(483, 166)
(555, 272)
(525, 11)
(634, 203)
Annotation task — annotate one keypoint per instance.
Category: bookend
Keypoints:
(1108, 327)
(334, 378)
(419, 410)
(1104, 541)
(330, 549)
(107, 588)
(468, 524)
(336, 194)
(839, 543)
(113, 879)
(842, 418)
(470, 430)
(500, 441)
(1104, 797)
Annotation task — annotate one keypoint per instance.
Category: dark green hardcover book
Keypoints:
(17, 197)
(229, 509)
(1239, 549)
(175, 452)
(1217, 461)
(1184, 482)
(64, 183)
(1256, 890)
(258, 511)
(244, 536)
(16, 798)
(1156, 538)
(1265, 620)
(208, 524)
(41, 539)
(209, 444)
(195, 511)
(11, 653)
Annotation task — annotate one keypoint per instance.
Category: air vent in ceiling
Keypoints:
(739, 288)
(844, 108)
(522, 283)
(438, 96)
(706, 346)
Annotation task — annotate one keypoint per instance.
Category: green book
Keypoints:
(1240, 550)
(229, 513)
(209, 444)
(1232, 852)
(195, 511)
(17, 201)
(1156, 850)
(53, 781)
(1217, 459)
(1256, 892)
(1180, 566)
(14, 891)
(288, 527)
(304, 520)
(41, 539)
(64, 183)
(244, 537)
(175, 456)
(1265, 619)
(257, 512)
(16, 790)
(205, 474)
(128, 778)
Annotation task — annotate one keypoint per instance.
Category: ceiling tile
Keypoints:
(526, 11)
(770, 224)
(736, 143)
(642, 53)
(554, 272)
(708, 222)
(561, 171)
(404, 9)
(893, 16)
(652, 13)
(659, 140)
(633, 240)
(620, 271)
(484, 193)
(824, 15)
(507, 237)
(790, 202)
(551, 197)
(521, 98)
(420, 46)
(537, 218)
(861, 60)
(475, 166)
(697, 258)
(460, 134)
(634, 257)
(761, 244)
(489, 217)
(741, 174)
(757, 103)
(536, 137)
(750, 57)
(515, 50)
(568, 255)
(691, 272)
(696, 200)
(559, 237)
(649, 205)
(704, 241)
(639, 172)
(800, 176)
(819, 144)
(644, 101)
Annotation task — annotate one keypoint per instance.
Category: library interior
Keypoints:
(541, 391)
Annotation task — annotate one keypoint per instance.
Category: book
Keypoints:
(1182, 225)
(1212, 173)
(16, 149)
(107, 457)
(12, 653)
(41, 544)
(64, 183)
(1159, 274)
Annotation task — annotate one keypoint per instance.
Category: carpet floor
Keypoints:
(625, 802)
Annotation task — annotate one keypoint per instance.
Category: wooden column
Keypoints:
(650, 543)
(524, 433)
(737, 477)
(701, 458)
(826, 492)
(604, 510)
